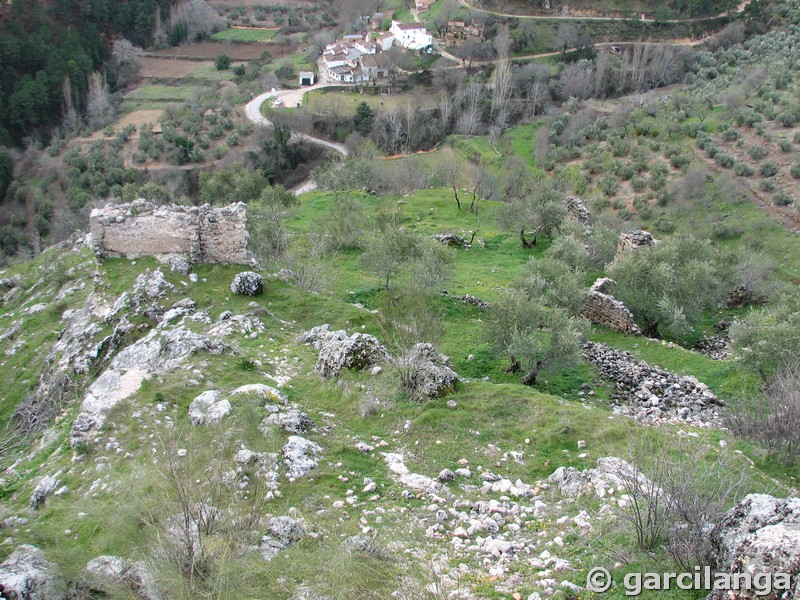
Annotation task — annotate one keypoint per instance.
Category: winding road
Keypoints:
(739, 9)
(290, 98)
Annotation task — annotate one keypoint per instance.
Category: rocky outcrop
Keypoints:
(338, 350)
(651, 395)
(158, 352)
(43, 490)
(426, 373)
(247, 283)
(105, 574)
(282, 532)
(208, 409)
(299, 456)
(759, 535)
(603, 309)
(450, 239)
(576, 209)
(27, 575)
(291, 421)
(471, 300)
(201, 234)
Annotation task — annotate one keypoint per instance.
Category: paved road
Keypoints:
(290, 98)
(739, 8)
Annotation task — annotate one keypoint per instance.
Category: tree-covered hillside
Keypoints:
(48, 50)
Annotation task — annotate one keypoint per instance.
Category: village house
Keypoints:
(423, 5)
(357, 59)
(412, 36)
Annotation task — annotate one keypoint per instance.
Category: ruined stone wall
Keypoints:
(603, 309)
(635, 240)
(200, 233)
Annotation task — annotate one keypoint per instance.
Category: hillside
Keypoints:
(525, 315)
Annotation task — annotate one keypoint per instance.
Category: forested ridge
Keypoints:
(49, 48)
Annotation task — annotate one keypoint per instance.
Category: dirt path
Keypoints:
(643, 19)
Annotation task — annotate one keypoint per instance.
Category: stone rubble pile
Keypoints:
(654, 396)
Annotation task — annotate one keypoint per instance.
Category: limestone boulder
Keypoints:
(248, 283)
(27, 575)
(759, 535)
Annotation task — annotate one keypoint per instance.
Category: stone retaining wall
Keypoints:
(603, 309)
(201, 233)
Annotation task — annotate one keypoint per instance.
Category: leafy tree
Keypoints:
(6, 172)
(554, 283)
(237, 184)
(388, 252)
(768, 338)
(534, 338)
(670, 286)
(539, 210)
(222, 62)
(362, 120)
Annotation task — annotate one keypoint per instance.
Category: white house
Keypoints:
(385, 41)
(412, 36)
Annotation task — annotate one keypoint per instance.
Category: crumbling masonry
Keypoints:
(200, 233)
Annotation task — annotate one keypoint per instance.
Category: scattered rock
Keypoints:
(262, 391)
(207, 409)
(364, 545)
(299, 456)
(282, 532)
(471, 300)
(248, 283)
(46, 486)
(27, 575)
(177, 263)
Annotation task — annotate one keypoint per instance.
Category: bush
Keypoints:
(782, 198)
(768, 169)
(724, 160)
(756, 152)
(608, 185)
(222, 62)
(773, 419)
(768, 185)
(665, 225)
(743, 169)
(785, 145)
(795, 170)
(638, 184)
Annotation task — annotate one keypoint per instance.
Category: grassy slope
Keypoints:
(492, 418)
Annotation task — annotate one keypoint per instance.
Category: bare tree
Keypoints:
(126, 61)
(99, 108)
(470, 119)
(566, 37)
(501, 82)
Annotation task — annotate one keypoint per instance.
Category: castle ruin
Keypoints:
(200, 233)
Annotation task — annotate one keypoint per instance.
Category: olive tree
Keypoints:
(536, 339)
(536, 211)
(667, 288)
(767, 338)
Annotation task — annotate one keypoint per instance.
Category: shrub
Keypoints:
(785, 145)
(773, 419)
(638, 184)
(768, 185)
(768, 169)
(756, 152)
(782, 198)
(724, 160)
(795, 170)
(222, 62)
(665, 225)
(743, 169)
